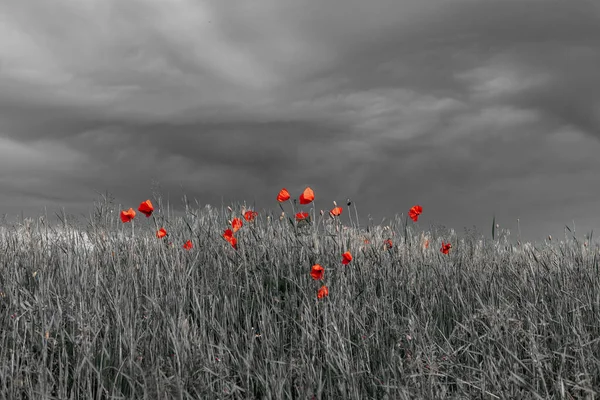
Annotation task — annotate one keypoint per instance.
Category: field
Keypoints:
(108, 310)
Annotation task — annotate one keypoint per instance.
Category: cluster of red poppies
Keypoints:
(236, 224)
(147, 209)
(307, 197)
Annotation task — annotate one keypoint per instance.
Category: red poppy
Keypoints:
(250, 215)
(228, 235)
(302, 215)
(317, 272)
(426, 244)
(445, 248)
(414, 212)
(233, 242)
(389, 243)
(188, 245)
(161, 233)
(367, 241)
(307, 196)
(236, 223)
(146, 208)
(336, 212)
(323, 291)
(283, 195)
(127, 216)
(346, 258)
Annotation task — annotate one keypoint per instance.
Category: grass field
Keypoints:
(110, 311)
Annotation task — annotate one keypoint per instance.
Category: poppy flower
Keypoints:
(317, 272)
(302, 215)
(232, 241)
(283, 195)
(346, 258)
(250, 215)
(426, 244)
(236, 224)
(323, 291)
(367, 241)
(146, 208)
(161, 233)
(336, 212)
(228, 235)
(445, 247)
(307, 196)
(389, 243)
(127, 216)
(414, 212)
(188, 245)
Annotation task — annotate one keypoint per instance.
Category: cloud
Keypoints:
(381, 101)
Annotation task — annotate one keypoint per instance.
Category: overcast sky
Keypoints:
(469, 108)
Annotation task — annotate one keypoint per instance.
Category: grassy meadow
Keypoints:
(105, 309)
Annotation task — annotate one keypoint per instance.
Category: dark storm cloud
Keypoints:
(477, 107)
(470, 44)
(248, 156)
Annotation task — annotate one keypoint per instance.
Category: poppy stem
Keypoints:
(293, 209)
(294, 223)
(315, 230)
(350, 217)
(356, 213)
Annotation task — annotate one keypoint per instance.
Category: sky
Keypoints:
(470, 108)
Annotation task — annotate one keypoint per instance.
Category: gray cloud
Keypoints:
(468, 107)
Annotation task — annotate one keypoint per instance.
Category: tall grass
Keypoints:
(96, 313)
